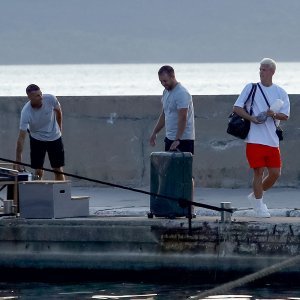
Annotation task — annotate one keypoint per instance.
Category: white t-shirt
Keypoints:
(41, 121)
(172, 101)
(265, 133)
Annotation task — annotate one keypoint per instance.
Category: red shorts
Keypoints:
(263, 156)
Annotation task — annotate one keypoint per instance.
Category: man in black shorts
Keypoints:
(41, 116)
(177, 114)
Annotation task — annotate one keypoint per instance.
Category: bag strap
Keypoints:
(263, 95)
(266, 100)
(252, 93)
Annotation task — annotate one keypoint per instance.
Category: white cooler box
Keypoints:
(50, 199)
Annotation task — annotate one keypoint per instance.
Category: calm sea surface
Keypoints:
(139, 79)
(135, 291)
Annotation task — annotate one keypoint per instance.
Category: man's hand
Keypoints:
(255, 121)
(152, 140)
(158, 127)
(270, 113)
(174, 145)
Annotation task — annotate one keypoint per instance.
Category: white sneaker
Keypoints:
(255, 203)
(252, 200)
(260, 208)
(262, 211)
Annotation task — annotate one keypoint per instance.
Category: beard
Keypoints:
(37, 105)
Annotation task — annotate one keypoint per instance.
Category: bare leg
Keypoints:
(258, 182)
(59, 176)
(273, 175)
(259, 206)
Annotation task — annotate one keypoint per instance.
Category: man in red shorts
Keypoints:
(271, 105)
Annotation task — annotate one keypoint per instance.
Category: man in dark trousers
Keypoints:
(41, 116)
(177, 114)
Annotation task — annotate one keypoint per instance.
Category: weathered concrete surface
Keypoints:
(107, 138)
(135, 244)
(141, 244)
(118, 202)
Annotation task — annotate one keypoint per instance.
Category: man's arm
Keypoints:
(59, 117)
(285, 109)
(277, 116)
(160, 124)
(19, 149)
(242, 113)
(182, 120)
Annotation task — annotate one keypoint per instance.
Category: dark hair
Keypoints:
(166, 69)
(32, 88)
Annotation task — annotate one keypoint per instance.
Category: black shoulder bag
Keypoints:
(238, 126)
(279, 130)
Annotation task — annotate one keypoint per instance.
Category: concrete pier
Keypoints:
(140, 244)
(133, 243)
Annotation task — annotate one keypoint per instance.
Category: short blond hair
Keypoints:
(269, 62)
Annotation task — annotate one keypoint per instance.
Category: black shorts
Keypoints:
(55, 150)
(184, 145)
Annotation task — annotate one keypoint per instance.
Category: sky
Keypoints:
(148, 31)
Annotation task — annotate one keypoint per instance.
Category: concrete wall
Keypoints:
(106, 138)
(137, 244)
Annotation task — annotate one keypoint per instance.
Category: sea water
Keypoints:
(140, 79)
(33, 290)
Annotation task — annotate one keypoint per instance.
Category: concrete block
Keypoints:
(50, 199)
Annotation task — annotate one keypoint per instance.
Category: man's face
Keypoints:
(167, 81)
(35, 98)
(266, 72)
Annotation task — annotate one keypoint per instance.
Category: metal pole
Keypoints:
(190, 218)
(225, 216)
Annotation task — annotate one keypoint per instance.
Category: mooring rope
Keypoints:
(224, 288)
(182, 202)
